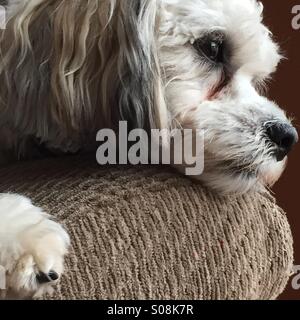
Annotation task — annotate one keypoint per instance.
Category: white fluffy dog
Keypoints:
(70, 68)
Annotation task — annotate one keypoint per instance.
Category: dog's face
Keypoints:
(215, 55)
(198, 63)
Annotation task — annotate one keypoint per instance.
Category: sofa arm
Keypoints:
(150, 233)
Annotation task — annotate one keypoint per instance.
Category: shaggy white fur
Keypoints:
(68, 69)
(238, 152)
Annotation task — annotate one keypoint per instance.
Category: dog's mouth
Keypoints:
(267, 173)
(237, 169)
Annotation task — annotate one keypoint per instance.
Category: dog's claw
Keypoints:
(45, 278)
(53, 275)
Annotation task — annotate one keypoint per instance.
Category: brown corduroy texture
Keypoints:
(149, 233)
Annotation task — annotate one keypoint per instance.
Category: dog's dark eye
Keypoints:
(212, 47)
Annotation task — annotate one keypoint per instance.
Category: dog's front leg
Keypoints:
(32, 247)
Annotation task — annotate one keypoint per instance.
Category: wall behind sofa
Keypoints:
(285, 89)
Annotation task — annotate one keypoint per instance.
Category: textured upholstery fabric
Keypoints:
(150, 233)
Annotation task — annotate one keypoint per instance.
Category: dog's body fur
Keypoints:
(70, 68)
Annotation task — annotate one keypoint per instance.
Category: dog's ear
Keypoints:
(74, 64)
(141, 90)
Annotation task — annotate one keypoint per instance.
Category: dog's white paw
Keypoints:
(32, 247)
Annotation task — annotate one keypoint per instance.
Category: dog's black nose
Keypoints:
(284, 136)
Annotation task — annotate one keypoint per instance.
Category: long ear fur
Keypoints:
(71, 66)
(141, 98)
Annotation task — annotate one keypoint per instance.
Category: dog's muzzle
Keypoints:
(284, 136)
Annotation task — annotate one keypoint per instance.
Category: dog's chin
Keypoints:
(267, 175)
(271, 172)
(243, 181)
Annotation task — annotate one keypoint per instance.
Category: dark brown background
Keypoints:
(285, 89)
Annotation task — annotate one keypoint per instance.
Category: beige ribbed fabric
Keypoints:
(149, 233)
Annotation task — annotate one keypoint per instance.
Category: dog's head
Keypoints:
(215, 55)
(196, 63)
